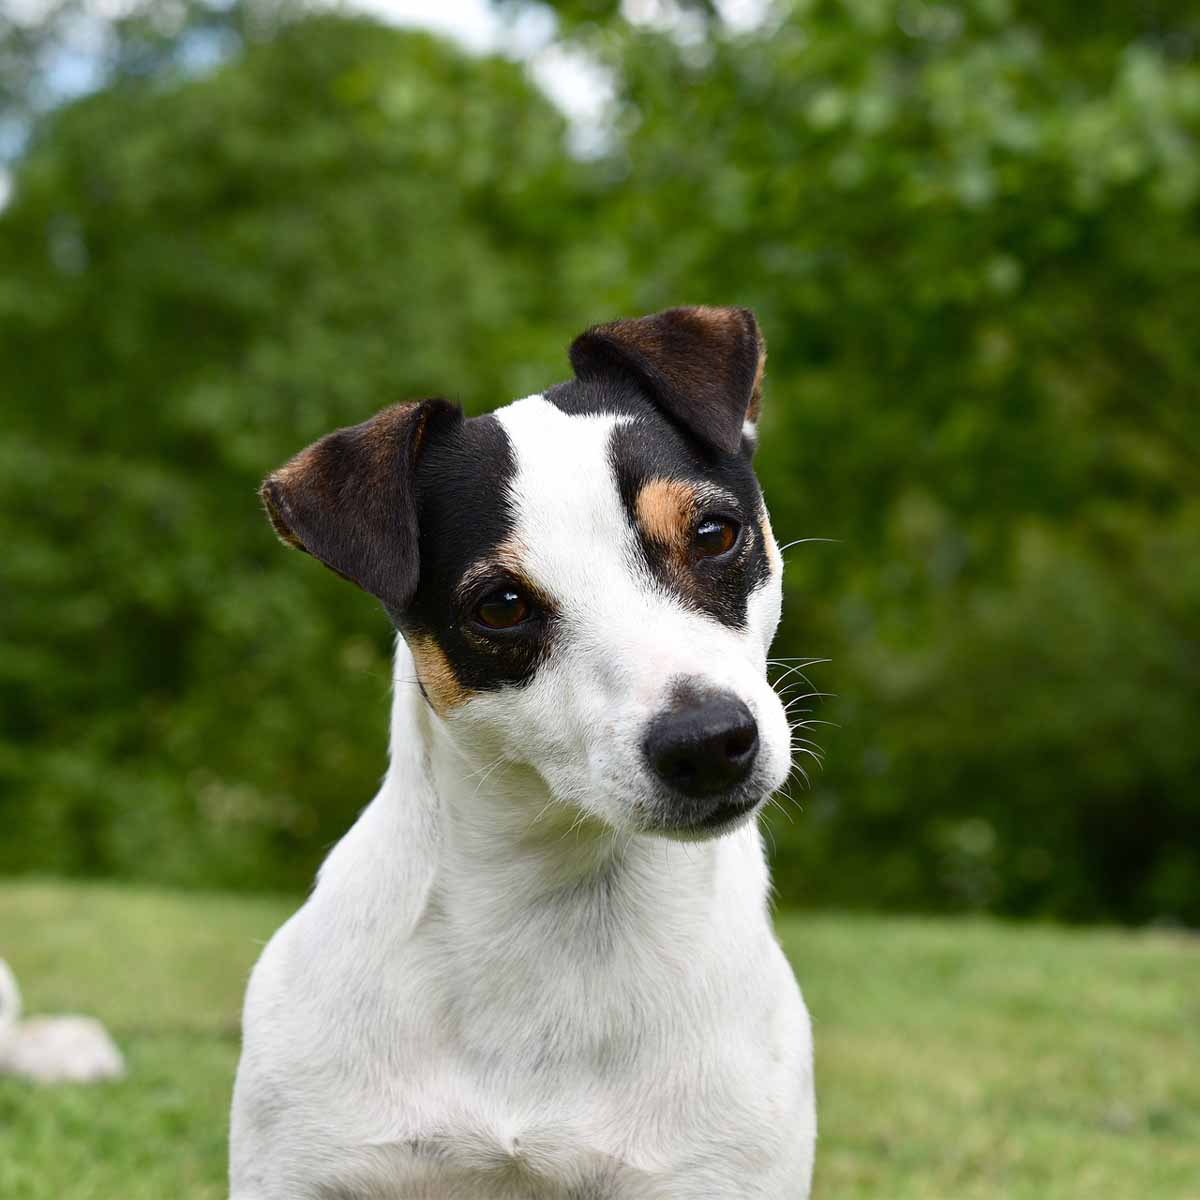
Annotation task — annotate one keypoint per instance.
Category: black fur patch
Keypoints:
(651, 447)
(649, 450)
(464, 518)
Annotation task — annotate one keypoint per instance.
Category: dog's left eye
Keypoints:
(715, 536)
(503, 608)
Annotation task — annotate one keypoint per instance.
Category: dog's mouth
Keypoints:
(721, 818)
(726, 813)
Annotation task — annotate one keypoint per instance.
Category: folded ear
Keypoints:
(350, 499)
(703, 366)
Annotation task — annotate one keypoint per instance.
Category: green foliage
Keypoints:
(970, 235)
(974, 249)
(195, 281)
(956, 1059)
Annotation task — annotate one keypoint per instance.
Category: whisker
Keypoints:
(770, 835)
(625, 848)
(780, 685)
(800, 745)
(486, 777)
(797, 769)
(541, 813)
(793, 802)
(803, 541)
(790, 671)
(573, 827)
(774, 803)
(486, 767)
(795, 737)
(802, 741)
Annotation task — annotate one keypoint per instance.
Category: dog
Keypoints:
(541, 966)
(66, 1049)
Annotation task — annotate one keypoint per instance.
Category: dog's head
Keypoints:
(587, 577)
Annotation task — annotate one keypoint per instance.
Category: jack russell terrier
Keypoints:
(541, 966)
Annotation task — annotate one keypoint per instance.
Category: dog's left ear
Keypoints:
(702, 366)
(349, 500)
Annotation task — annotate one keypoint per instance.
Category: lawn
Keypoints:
(957, 1060)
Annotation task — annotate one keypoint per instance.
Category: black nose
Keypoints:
(704, 746)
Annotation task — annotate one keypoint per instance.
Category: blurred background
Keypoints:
(970, 231)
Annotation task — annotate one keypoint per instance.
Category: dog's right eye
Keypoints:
(715, 536)
(503, 608)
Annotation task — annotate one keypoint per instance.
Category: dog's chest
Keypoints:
(619, 1096)
(628, 1131)
(555, 1058)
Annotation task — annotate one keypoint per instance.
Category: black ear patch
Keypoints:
(349, 500)
(702, 366)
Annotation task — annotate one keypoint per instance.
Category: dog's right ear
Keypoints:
(349, 500)
(703, 366)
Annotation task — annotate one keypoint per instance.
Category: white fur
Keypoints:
(500, 988)
(52, 1049)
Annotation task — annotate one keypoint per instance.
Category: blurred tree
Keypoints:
(970, 232)
(196, 280)
(57, 48)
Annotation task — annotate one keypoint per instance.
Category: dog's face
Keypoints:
(586, 578)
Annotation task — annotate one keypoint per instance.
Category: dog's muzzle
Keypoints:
(703, 748)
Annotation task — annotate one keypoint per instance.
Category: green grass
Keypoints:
(957, 1060)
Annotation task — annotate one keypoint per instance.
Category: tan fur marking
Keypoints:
(665, 509)
(755, 408)
(507, 557)
(436, 675)
(770, 545)
(716, 318)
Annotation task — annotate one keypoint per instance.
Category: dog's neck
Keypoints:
(512, 854)
(509, 855)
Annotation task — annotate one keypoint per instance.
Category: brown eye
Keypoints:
(714, 536)
(502, 609)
